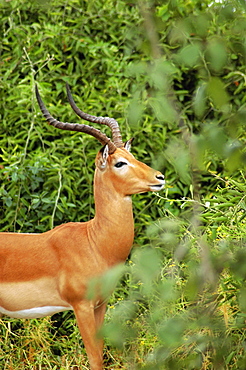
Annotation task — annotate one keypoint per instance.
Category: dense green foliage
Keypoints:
(173, 74)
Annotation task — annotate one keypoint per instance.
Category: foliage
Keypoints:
(173, 75)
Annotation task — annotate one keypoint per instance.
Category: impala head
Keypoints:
(115, 165)
(126, 174)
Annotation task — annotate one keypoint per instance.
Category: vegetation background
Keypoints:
(173, 74)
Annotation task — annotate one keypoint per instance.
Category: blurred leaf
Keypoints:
(216, 138)
(216, 54)
(178, 156)
(189, 55)
(171, 331)
(163, 108)
(200, 101)
(217, 93)
(147, 266)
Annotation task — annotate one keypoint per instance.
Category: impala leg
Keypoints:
(99, 317)
(85, 316)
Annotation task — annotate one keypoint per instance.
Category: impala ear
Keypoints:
(101, 160)
(128, 144)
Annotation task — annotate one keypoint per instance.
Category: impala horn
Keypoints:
(110, 122)
(104, 140)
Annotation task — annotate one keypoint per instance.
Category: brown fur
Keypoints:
(54, 268)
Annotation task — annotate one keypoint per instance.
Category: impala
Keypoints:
(42, 274)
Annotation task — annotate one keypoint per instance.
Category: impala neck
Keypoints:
(112, 227)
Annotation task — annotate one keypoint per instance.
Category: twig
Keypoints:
(57, 199)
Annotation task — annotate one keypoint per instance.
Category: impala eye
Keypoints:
(120, 164)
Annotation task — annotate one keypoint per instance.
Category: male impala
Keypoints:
(41, 274)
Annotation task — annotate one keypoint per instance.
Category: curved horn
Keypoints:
(110, 122)
(74, 126)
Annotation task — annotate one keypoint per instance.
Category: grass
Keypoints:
(166, 313)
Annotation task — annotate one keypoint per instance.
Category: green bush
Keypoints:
(173, 75)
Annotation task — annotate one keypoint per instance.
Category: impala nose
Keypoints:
(161, 181)
(160, 177)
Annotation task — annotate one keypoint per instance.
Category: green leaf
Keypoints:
(217, 93)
